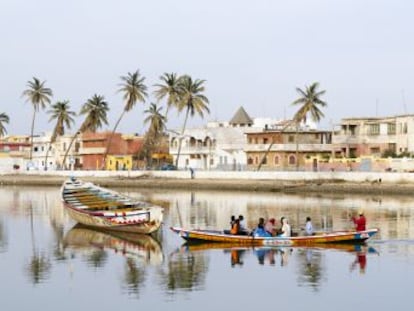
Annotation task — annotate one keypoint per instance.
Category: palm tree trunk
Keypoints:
(31, 134)
(181, 137)
(297, 146)
(270, 147)
(110, 139)
(67, 151)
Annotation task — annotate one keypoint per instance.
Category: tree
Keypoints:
(155, 130)
(134, 90)
(39, 96)
(60, 112)
(192, 100)
(170, 89)
(309, 101)
(95, 109)
(4, 119)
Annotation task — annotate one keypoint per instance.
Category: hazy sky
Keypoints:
(251, 53)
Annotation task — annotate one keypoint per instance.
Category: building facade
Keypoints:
(218, 145)
(379, 137)
(285, 148)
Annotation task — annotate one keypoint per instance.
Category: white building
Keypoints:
(218, 145)
(56, 152)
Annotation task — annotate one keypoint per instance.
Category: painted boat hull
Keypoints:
(123, 214)
(328, 237)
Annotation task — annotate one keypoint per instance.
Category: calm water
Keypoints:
(48, 262)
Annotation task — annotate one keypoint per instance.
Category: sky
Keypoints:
(250, 53)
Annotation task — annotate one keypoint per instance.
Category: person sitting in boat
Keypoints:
(285, 230)
(270, 227)
(360, 221)
(235, 227)
(260, 229)
(309, 226)
(243, 229)
(232, 223)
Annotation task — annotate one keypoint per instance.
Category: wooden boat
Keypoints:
(102, 208)
(343, 236)
(131, 245)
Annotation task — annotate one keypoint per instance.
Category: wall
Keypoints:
(390, 177)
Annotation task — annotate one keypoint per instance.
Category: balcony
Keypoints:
(92, 150)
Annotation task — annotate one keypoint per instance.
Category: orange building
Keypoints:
(94, 147)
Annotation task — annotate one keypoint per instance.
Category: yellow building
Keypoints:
(119, 162)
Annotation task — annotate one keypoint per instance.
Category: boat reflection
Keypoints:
(268, 255)
(131, 245)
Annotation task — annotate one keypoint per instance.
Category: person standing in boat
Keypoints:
(360, 221)
(285, 231)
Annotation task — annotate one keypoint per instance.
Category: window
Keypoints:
(264, 160)
(291, 138)
(265, 140)
(35, 149)
(375, 150)
(373, 129)
(292, 160)
(250, 161)
(391, 129)
(276, 160)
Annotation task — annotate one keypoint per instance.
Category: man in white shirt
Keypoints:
(308, 226)
(285, 231)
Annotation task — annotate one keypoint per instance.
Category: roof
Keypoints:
(241, 117)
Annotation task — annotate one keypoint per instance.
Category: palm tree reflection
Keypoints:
(310, 268)
(39, 266)
(186, 271)
(3, 237)
(135, 276)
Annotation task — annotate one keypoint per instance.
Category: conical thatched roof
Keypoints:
(241, 118)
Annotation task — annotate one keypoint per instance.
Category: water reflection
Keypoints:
(40, 245)
(3, 236)
(309, 260)
(186, 271)
(96, 245)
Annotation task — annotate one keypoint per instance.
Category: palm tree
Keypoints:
(95, 109)
(134, 90)
(169, 89)
(4, 118)
(309, 101)
(156, 129)
(64, 117)
(192, 100)
(39, 96)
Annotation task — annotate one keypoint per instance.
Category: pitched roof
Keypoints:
(241, 117)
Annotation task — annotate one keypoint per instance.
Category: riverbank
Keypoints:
(325, 186)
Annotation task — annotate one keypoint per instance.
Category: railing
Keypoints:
(289, 147)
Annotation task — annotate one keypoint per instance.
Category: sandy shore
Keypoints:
(299, 187)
